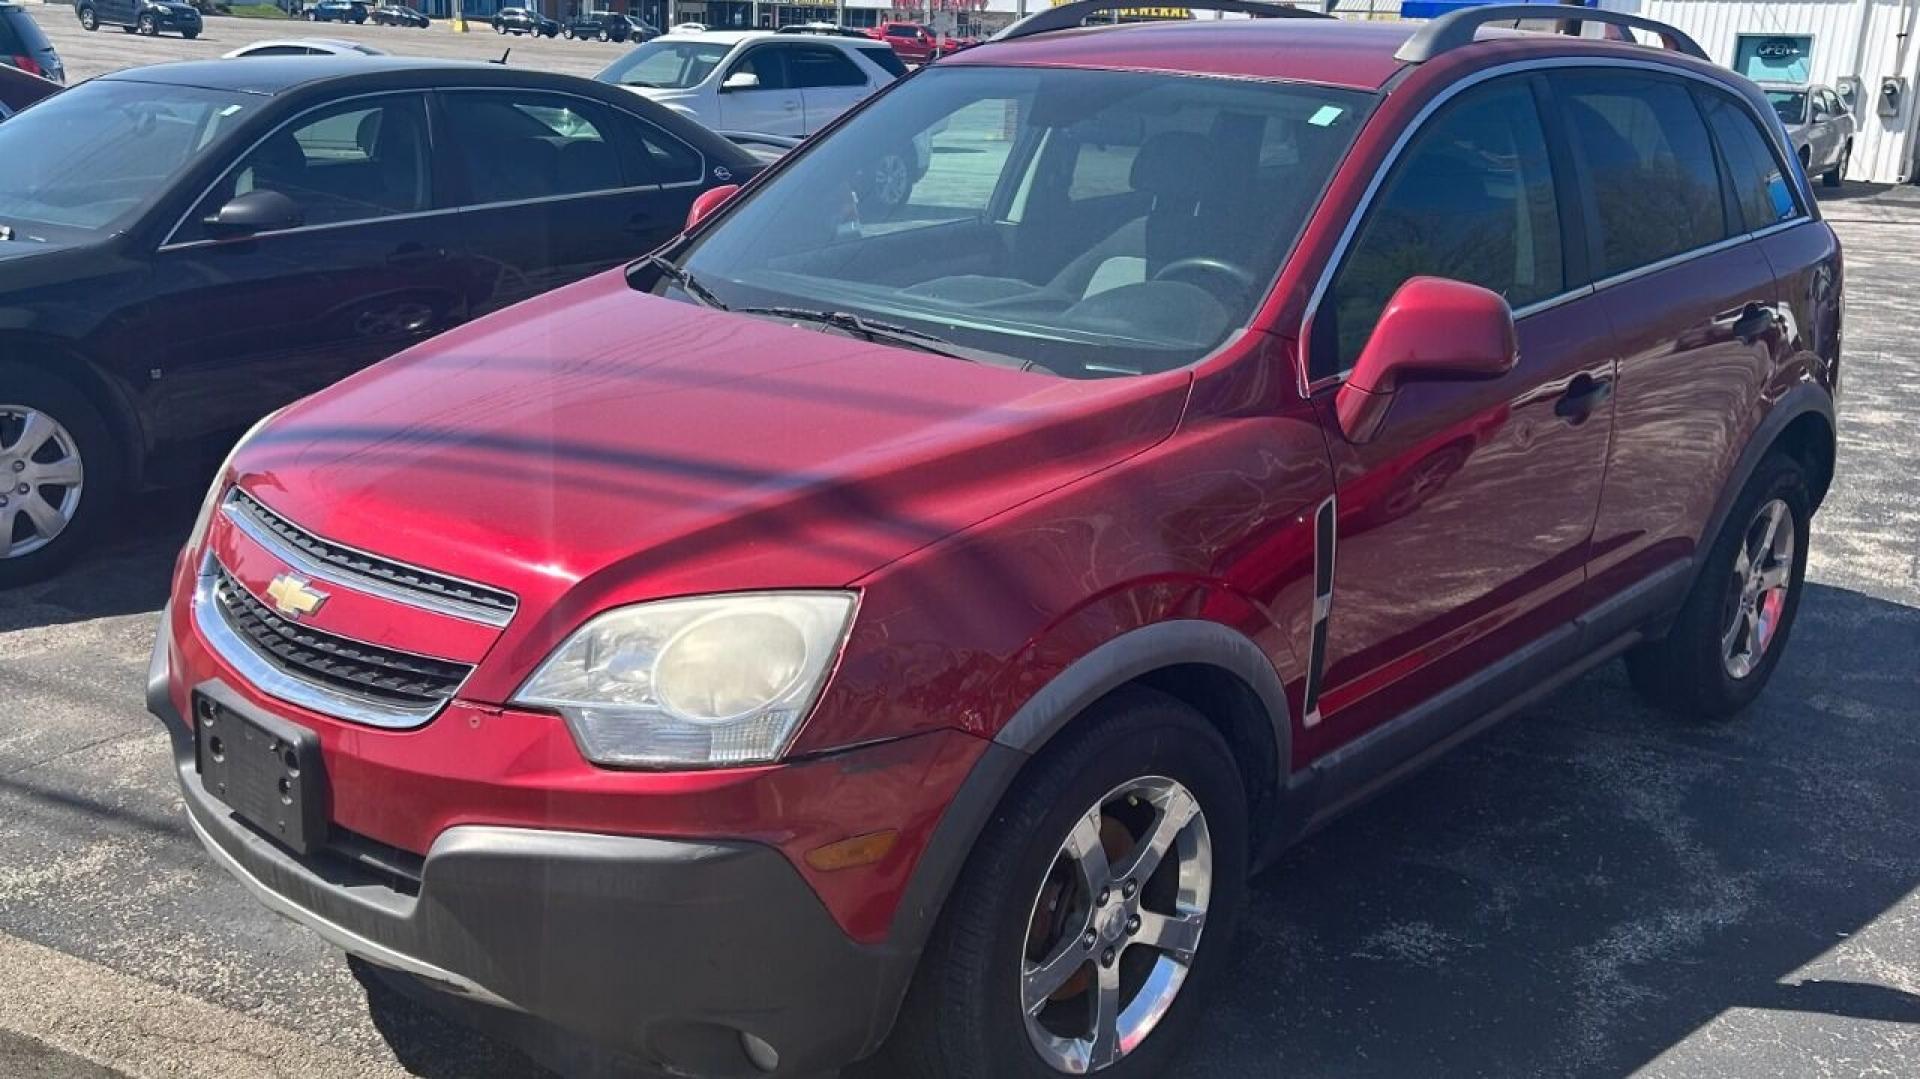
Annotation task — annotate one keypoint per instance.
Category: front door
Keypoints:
(1463, 525)
(555, 188)
(768, 105)
(241, 326)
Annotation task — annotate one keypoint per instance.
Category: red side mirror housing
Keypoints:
(707, 202)
(1432, 328)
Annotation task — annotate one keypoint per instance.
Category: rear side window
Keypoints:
(518, 144)
(1472, 199)
(1650, 165)
(1760, 185)
(822, 67)
(888, 60)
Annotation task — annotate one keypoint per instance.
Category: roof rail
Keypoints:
(1070, 15)
(1457, 28)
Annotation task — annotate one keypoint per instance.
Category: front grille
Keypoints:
(395, 576)
(362, 670)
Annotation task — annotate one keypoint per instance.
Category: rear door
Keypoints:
(829, 82)
(771, 105)
(1463, 525)
(242, 326)
(555, 187)
(1693, 305)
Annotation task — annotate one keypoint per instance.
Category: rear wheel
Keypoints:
(89, 21)
(189, 34)
(499, 29)
(567, 32)
(58, 471)
(1729, 636)
(604, 36)
(1839, 170)
(1096, 907)
(148, 27)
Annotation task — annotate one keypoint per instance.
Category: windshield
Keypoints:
(91, 156)
(1093, 223)
(1790, 104)
(666, 65)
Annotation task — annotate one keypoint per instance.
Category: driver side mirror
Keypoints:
(252, 213)
(707, 202)
(740, 80)
(1433, 329)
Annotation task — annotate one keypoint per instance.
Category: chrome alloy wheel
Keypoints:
(1115, 925)
(892, 181)
(1757, 598)
(40, 479)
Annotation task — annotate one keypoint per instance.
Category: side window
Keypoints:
(651, 156)
(516, 144)
(1759, 183)
(1471, 199)
(885, 58)
(1655, 187)
(813, 67)
(356, 161)
(766, 63)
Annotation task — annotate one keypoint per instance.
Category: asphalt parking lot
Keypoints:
(1590, 890)
(87, 55)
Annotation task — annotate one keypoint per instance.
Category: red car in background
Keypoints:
(912, 42)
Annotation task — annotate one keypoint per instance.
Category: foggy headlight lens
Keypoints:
(691, 682)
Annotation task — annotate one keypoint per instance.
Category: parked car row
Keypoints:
(148, 17)
(899, 627)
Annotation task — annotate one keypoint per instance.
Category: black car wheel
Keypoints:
(604, 36)
(60, 472)
(499, 29)
(313, 16)
(88, 20)
(148, 27)
(189, 34)
(567, 32)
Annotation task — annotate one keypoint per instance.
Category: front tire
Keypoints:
(1730, 634)
(1839, 170)
(1098, 904)
(147, 27)
(567, 32)
(189, 34)
(604, 37)
(89, 21)
(55, 445)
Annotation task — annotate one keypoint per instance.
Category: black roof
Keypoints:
(278, 74)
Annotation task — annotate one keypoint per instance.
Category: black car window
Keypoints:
(821, 66)
(651, 156)
(522, 144)
(767, 63)
(888, 60)
(1472, 199)
(356, 161)
(1760, 184)
(1649, 163)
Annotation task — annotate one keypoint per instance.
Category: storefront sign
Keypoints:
(1775, 57)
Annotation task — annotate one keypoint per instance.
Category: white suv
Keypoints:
(757, 80)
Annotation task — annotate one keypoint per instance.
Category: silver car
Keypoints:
(1820, 126)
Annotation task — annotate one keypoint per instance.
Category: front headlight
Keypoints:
(690, 682)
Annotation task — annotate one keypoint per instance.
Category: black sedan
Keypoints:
(519, 20)
(399, 15)
(184, 248)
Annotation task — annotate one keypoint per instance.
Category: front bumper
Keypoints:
(670, 950)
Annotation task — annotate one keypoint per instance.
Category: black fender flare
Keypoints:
(1805, 397)
(1106, 668)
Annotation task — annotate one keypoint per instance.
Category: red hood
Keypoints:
(648, 447)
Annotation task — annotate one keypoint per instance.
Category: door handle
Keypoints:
(413, 255)
(640, 222)
(1749, 323)
(1585, 394)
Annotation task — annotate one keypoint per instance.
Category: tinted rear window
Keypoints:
(1656, 187)
(888, 60)
(19, 34)
(1760, 185)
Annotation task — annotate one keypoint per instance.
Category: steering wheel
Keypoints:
(1202, 264)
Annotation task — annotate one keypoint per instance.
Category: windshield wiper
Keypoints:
(887, 333)
(686, 282)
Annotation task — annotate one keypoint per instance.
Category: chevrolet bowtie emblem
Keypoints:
(294, 597)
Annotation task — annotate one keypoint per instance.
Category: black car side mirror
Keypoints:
(255, 212)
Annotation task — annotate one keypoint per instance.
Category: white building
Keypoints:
(1863, 48)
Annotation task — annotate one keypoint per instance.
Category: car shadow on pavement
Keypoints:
(125, 572)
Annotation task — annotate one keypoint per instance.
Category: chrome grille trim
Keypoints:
(425, 589)
(268, 676)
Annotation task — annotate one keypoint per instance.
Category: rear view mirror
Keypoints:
(1433, 328)
(254, 212)
(707, 202)
(741, 80)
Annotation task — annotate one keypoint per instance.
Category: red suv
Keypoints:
(915, 44)
(903, 628)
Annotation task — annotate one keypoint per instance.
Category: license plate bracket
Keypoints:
(267, 770)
